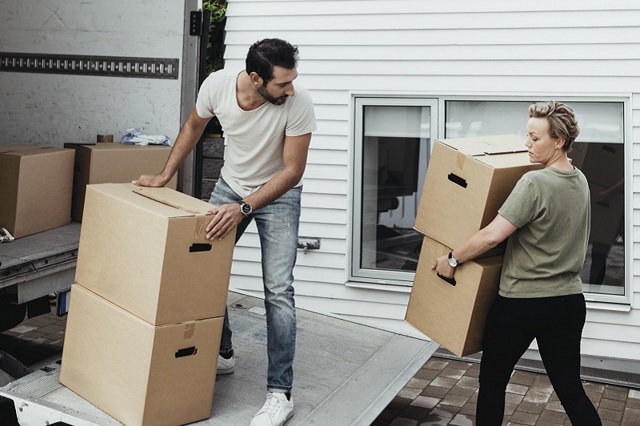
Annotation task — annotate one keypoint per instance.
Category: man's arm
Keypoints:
(295, 152)
(187, 139)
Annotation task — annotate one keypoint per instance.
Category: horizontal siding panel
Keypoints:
(329, 141)
(331, 112)
(317, 156)
(539, 20)
(405, 37)
(327, 96)
(427, 67)
(415, 85)
(347, 294)
(610, 349)
(324, 230)
(359, 7)
(326, 186)
(326, 171)
(337, 54)
(318, 215)
(248, 275)
(332, 201)
(327, 245)
(314, 258)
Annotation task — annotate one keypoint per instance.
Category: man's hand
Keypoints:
(155, 181)
(225, 218)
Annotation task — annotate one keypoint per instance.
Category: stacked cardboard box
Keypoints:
(113, 163)
(147, 307)
(35, 188)
(467, 181)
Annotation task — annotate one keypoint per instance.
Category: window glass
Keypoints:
(598, 153)
(392, 162)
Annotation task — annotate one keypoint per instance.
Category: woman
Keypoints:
(548, 218)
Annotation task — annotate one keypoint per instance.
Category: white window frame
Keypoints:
(402, 281)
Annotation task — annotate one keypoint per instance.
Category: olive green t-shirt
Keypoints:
(544, 256)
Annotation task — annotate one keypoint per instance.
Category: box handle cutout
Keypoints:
(199, 247)
(451, 281)
(186, 352)
(457, 180)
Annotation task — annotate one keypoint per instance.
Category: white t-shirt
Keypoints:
(255, 139)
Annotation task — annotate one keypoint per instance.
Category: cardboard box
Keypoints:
(113, 163)
(138, 373)
(35, 188)
(604, 163)
(607, 215)
(467, 181)
(145, 249)
(453, 314)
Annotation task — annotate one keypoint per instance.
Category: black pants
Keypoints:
(512, 324)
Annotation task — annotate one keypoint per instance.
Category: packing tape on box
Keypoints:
(189, 329)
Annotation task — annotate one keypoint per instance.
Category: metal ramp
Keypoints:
(345, 374)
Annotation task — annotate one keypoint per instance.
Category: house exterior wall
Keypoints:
(408, 48)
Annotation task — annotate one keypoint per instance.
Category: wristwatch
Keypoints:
(452, 260)
(245, 208)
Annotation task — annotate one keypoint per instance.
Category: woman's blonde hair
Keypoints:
(561, 118)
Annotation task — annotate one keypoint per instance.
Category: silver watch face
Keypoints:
(246, 209)
(453, 262)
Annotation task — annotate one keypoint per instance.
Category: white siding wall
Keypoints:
(444, 47)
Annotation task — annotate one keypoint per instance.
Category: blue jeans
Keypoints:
(277, 225)
(512, 324)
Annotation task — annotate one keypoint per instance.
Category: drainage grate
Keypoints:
(104, 66)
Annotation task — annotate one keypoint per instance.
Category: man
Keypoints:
(268, 131)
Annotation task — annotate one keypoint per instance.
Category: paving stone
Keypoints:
(468, 382)
(409, 393)
(522, 378)
(631, 417)
(400, 421)
(518, 389)
(634, 393)
(435, 391)
(530, 407)
(523, 418)
(417, 383)
(513, 398)
(443, 382)
(615, 392)
(462, 420)
(414, 412)
(455, 400)
(555, 406)
(610, 415)
(451, 409)
(452, 372)
(462, 391)
(436, 364)
(611, 404)
(593, 387)
(425, 401)
(536, 397)
(473, 371)
(469, 408)
(399, 402)
(427, 374)
(553, 417)
(21, 329)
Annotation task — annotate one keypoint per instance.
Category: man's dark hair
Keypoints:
(265, 54)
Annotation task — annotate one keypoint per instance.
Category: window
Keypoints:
(598, 153)
(393, 138)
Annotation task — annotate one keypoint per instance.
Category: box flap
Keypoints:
(487, 145)
(5, 149)
(174, 199)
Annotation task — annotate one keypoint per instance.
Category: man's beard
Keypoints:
(265, 94)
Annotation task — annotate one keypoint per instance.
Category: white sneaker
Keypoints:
(275, 411)
(226, 366)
